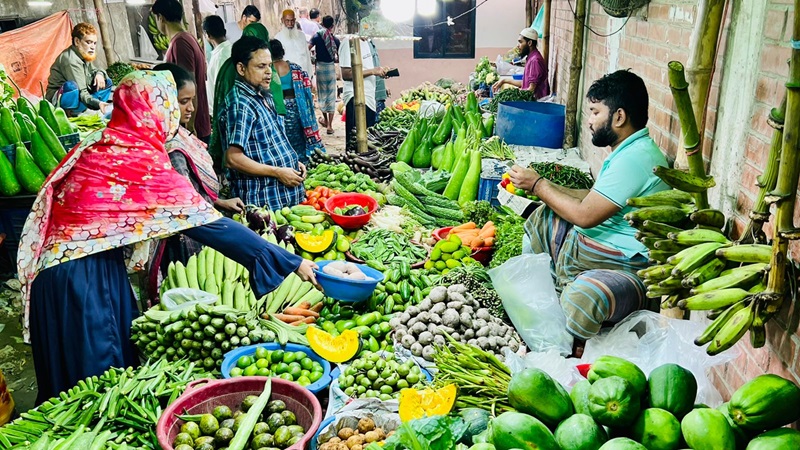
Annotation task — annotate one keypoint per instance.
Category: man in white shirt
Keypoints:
(370, 72)
(294, 42)
(215, 32)
(307, 23)
(251, 14)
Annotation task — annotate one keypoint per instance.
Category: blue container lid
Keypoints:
(229, 362)
(517, 76)
(348, 291)
(537, 124)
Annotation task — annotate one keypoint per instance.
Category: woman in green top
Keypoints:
(225, 80)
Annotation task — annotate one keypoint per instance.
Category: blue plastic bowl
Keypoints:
(348, 291)
(517, 77)
(337, 371)
(313, 443)
(229, 362)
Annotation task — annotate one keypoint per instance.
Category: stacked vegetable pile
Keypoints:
(425, 91)
(449, 254)
(379, 376)
(396, 119)
(41, 129)
(342, 178)
(323, 245)
(478, 284)
(291, 366)
(354, 438)
(485, 73)
(380, 247)
(118, 70)
(400, 288)
(119, 407)
(451, 311)
(510, 95)
(371, 327)
(508, 239)
(427, 207)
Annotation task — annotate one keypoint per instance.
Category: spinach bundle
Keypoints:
(510, 95)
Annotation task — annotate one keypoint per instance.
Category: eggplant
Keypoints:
(258, 220)
(355, 211)
(285, 233)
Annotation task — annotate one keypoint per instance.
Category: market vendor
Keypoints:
(75, 83)
(115, 192)
(594, 251)
(263, 167)
(535, 76)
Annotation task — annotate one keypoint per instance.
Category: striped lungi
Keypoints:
(326, 86)
(596, 283)
(294, 129)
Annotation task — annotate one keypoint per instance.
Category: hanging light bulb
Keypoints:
(39, 4)
(426, 8)
(398, 10)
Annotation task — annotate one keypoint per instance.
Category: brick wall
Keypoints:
(646, 44)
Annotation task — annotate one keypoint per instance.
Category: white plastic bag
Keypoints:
(384, 414)
(180, 298)
(650, 340)
(553, 363)
(507, 69)
(430, 108)
(529, 296)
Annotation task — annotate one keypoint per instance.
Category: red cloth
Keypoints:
(536, 73)
(186, 52)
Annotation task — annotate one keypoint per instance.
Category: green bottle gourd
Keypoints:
(458, 116)
(453, 188)
(488, 126)
(406, 151)
(9, 185)
(472, 103)
(49, 137)
(47, 113)
(472, 180)
(8, 126)
(64, 125)
(445, 129)
(448, 157)
(24, 131)
(28, 174)
(26, 107)
(42, 155)
(422, 155)
(437, 156)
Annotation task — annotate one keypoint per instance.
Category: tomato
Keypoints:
(325, 192)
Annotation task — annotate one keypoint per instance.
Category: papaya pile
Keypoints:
(41, 129)
(696, 267)
(619, 408)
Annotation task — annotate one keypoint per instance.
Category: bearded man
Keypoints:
(74, 82)
(593, 248)
(294, 42)
(535, 76)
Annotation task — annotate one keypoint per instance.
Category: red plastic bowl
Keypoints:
(482, 254)
(584, 369)
(202, 396)
(347, 199)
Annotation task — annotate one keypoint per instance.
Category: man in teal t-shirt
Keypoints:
(594, 250)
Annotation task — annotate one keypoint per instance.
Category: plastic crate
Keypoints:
(69, 140)
(11, 223)
(488, 190)
(10, 152)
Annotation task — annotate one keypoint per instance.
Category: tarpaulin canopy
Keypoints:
(28, 52)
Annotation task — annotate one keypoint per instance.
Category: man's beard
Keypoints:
(525, 51)
(605, 136)
(87, 57)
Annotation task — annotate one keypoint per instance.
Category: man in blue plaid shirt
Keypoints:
(263, 167)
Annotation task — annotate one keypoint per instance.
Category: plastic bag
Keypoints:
(507, 69)
(180, 298)
(384, 414)
(649, 340)
(430, 108)
(553, 363)
(526, 287)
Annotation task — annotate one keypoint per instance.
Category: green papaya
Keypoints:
(28, 174)
(22, 127)
(514, 430)
(534, 392)
(580, 432)
(47, 113)
(9, 186)
(606, 366)
(613, 402)
(437, 156)
(64, 125)
(49, 137)
(622, 443)
(741, 435)
(707, 429)
(580, 397)
(765, 402)
(26, 107)
(672, 388)
(41, 154)
(8, 126)
(779, 439)
(657, 429)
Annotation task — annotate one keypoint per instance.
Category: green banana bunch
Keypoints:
(161, 42)
(732, 330)
(683, 181)
(747, 253)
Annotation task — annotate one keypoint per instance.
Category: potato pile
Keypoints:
(350, 439)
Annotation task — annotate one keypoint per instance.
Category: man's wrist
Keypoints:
(533, 188)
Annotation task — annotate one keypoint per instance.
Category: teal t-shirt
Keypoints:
(627, 172)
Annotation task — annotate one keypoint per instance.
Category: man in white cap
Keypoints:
(294, 42)
(535, 76)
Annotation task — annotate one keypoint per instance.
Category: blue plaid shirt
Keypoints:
(248, 120)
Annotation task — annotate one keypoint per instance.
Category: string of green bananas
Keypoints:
(160, 41)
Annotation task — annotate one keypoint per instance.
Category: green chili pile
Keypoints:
(384, 246)
(566, 176)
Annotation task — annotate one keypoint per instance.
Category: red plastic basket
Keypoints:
(483, 254)
(202, 396)
(351, 198)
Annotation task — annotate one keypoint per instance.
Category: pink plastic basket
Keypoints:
(202, 396)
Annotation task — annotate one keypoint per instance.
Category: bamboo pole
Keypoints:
(575, 71)
(105, 32)
(759, 214)
(546, 33)
(529, 13)
(692, 142)
(785, 193)
(359, 100)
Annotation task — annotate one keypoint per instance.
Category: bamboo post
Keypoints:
(546, 33)
(359, 100)
(785, 193)
(759, 215)
(692, 141)
(105, 32)
(575, 70)
(529, 13)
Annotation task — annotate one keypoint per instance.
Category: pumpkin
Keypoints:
(416, 404)
(334, 349)
(316, 243)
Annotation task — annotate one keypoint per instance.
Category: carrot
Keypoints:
(487, 232)
(477, 242)
(488, 242)
(466, 226)
(304, 305)
(288, 318)
(291, 311)
(318, 307)
(307, 320)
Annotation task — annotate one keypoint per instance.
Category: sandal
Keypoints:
(330, 131)
(323, 122)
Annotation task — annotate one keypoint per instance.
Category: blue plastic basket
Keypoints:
(69, 140)
(229, 362)
(348, 291)
(488, 190)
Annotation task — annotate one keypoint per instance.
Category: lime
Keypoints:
(236, 372)
(244, 361)
(298, 355)
(263, 372)
(261, 353)
(315, 376)
(305, 373)
(316, 367)
(287, 377)
(295, 372)
(289, 357)
(250, 371)
(295, 364)
(261, 363)
(281, 368)
(307, 363)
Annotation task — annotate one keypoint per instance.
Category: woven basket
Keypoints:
(621, 8)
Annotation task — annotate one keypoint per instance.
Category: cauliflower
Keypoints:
(490, 78)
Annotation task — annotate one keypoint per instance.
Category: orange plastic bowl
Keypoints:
(347, 199)
(481, 254)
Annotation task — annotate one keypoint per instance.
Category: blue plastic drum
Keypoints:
(531, 124)
(229, 362)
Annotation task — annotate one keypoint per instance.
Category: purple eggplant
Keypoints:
(285, 233)
(258, 220)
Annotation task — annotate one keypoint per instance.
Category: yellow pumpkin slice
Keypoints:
(416, 404)
(334, 349)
